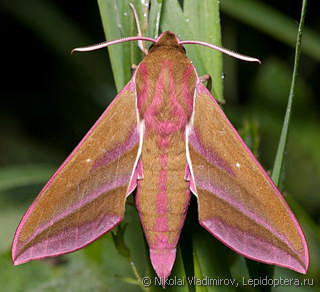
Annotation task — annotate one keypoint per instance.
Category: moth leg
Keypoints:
(207, 78)
(133, 68)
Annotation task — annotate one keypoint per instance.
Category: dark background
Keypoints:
(50, 98)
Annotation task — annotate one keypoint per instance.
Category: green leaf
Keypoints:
(198, 273)
(204, 21)
(118, 239)
(118, 22)
(198, 21)
(23, 175)
(154, 18)
(76, 274)
(214, 260)
(129, 280)
(178, 273)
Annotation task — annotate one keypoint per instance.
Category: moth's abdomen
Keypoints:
(162, 200)
(165, 92)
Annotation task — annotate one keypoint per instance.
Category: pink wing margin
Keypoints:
(85, 197)
(237, 201)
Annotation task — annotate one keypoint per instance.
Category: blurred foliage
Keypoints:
(51, 98)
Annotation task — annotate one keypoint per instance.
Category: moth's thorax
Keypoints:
(165, 84)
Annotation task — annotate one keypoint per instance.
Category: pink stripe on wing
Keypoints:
(118, 149)
(251, 246)
(85, 199)
(64, 242)
(236, 203)
(209, 154)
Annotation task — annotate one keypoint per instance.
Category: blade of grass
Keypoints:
(117, 21)
(198, 273)
(155, 13)
(200, 20)
(204, 21)
(212, 261)
(280, 156)
(179, 273)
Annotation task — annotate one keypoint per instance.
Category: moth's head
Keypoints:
(167, 40)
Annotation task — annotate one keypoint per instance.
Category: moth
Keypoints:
(164, 136)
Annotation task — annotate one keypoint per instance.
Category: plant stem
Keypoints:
(136, 273)
(280, 156)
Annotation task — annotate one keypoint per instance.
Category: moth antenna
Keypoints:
(140, 43)
(222, 50)
(110, 43)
